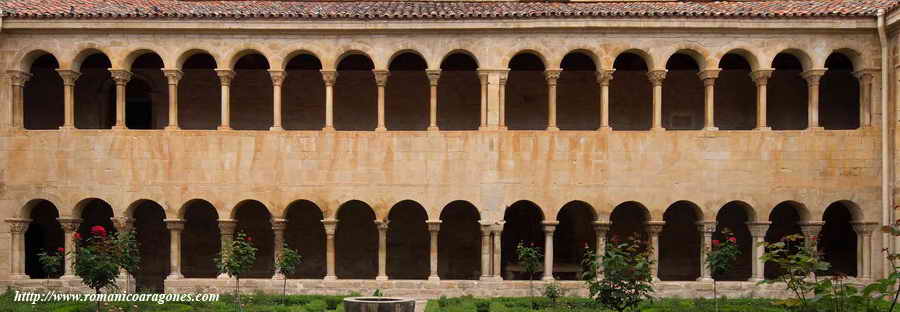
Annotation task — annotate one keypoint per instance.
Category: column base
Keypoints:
(433, 128)
(68, 277)
(487, 128)
(380, 129)
(330, 278)
(276, 129)
(711, 129)
(172, 128)
(656, 279)
(811, 129)
(381, 278)
(119, 127)
(328, 129)
(434, 279)
(66, 128)
(548, 278)
(19, 277)
(223, 276)
(554, 128)
(486, 278)
(496, 278)
(658, 129)
(762, 129)
(605, 129)
(705, 279)
(279, 276)
(223, 128)
(755, 280)
(174, 276)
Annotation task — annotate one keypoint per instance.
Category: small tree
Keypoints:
(128, 254)
(235, 259)
(720, 258)
(96, 260)
(797, 261)
(52, 262)
(530, 258)
(287, 263)
(627, 277)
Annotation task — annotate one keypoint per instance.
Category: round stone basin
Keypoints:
(379, 304)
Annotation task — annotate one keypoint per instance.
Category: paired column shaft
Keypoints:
(498, 251)
(813, 77)
(656, 79)
(706, 229)
(483, 79)
(330, 228)
(17, 80)
(69, 77)
(433, 76)
(758, 232)
(485, 251)
(709, 83)
(761, 79)
(173, 76)
(382, 250)
(381, 78)
(601, 228)
(69, 225)
(864, 248)
(278, 226)
(278, 77)
(654, 228)
(225, 77)
(17, 228)
(175, 227)
(865, 96)
(226, 231)
(330, 77)
(552, 76)
(433, 227)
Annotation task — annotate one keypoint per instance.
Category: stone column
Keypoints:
(330, 228)
(381, 78)
(433, 227)
(69, 77)
(758, 231)
(17, 80)
(173, 76)
(813, 76)
(549, 228)
(709, 83)
(656, 79)
(552, 75)
(278, 77)
(604, 76)
(486, 229)
(329, 76)
(433, 76)
(865, 96)
(70, 226)
(483, 78)
(226, 231)
(498, 250)
(654, 228)
(810, 231)
(501, 93)
(864, 248)
(17, 228)
(175, 227)
(600, 229)
(225, 77)
(278, 226)
(121, 77)
(761, 79)
(382, 250)
(123, 224)
(706, 228)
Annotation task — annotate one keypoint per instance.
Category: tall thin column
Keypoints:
(173, 76)
(483, 79)
(381, 78)
(706, 228)
(69, 225)
(382, 250)
(758, 231)
(864, 248)
(17, 80)
(501, 93)
(552, 76)
(121, 77)
(865, 97)
(433, 76)
(600, 229)
(549, 228)
(225, 77)
(226, 231)
(175, 227)
(329, 76)
(433, 227)
(761, 79)
(709, 83)
(656, 78)
(278, 77)
(486, 229)
(17, 228)
(330, 228)
(604, 76)
(498, 251)
(69, 77)
(813, 76)
(654, 228)
(278, 226)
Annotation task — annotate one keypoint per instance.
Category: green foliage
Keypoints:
(553, 291)
(377, 293)
(720, 258)
(52, 261)
(128, 253)
(627, 279)
(482, 306)
(96, 260)
(530, 258)
(237, 257)
(288, 260)
(797, 261)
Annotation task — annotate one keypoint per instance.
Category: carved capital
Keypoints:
(811, 228)
(174, 224)
(69, 225)
(330, 226)
(329, 76)
(865, 75)
(382, 225)
(227, 226)
(602, 227)
(173, 75)
(279, 224)
(655, 227)
(709, 76)
(498, 226)
(708, 227)
(761, 77)
(604, 76)
(381, 77)
(277, 76)
(120, 76)
(225, 76)
(549, 226)
(433, 76)
(434, 225)
(68, 76)
(123, 224)
(656, 77)
(18, 78)
(17, 225)
(813, 76)
(552, 75)
(758, 228)
(864, 228)
(483, 77)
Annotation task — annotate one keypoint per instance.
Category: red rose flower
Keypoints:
(60, 250)
(732, 239)
(716, 242)
(815, 238)
(77, 235)
(98, 230)
(249, 239)
(586, 245)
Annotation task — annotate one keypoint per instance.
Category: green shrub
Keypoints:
(316, 306)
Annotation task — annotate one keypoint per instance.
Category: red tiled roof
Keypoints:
(385, 10)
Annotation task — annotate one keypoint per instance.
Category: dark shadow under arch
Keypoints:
(254, 220)
(407, 242)
(200, 240)
(199, 94)
(459, 94)
(630, 94)
(356, 242)
(733, 217)
(459, 242)
(680, 243)
(44, 234)
(306, 234)
(838, 241)
(303, 94)
(523, 225)
(574, 232)
(735, 95)
(526, 93)
(578, 94)
(153, 242)
(785, 218)
(355, 95)
(43, 106)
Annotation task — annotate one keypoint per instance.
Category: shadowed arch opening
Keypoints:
(629, 220)
(734, 217)
(153, 245)
(578, 94)
(735, 94)
(682, 94)
(254, 219)
(406, 102)
(574, 232)
(306, 234)
(355, 94)
(787, 97)
(200, 240)
(94, 212)
(838, 241)
(459, 93)
(680, 243)
(839, 95)
(43, 106)
(147, 94)
(459, 245)
(303, 93)
(630, 94)
(523, 225)
(251, 94)
(526, 93)
(407, 241)
(356, 242)
(44, 234)
(199, 94)
(785, 218)
(95, 94)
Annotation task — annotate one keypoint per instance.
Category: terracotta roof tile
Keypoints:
(387, 10)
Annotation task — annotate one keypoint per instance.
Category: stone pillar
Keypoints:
(225, 77)
(549, 228)
(17, 80)
(123, 224)
(382, 250)
(600, 229)
(329, 76)
(433, 76)
(758, 231)
(810, 231)
(654, 228)
(864, 248)
(70, 226)
(483, 78)
(501, 93)
(433, 227)
(813, 76)
(552, 75)
(175, 227)
(278, 77)
(330, 228)
(865, 96)
(69, 77)
(121, 77)
(226, 231)
(486, 229)
(381, 78)
(709, 83)
(17, 228)
(656, 79)
(498, 251)
(604, 76)
(706, 228)
(761, 79)
(173, 76)
(278, 226)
